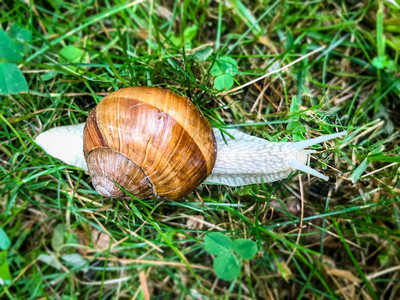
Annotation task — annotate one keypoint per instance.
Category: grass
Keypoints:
(331, 240)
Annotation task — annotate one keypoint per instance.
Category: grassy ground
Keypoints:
(68, 242)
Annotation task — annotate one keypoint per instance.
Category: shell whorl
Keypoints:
(159, 136)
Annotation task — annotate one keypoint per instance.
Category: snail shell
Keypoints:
(149, 141)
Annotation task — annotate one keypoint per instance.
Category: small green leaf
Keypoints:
(217, 243)
(294, 108)
(11, 79)
(4, 240)
(379, 62)
(224, 65)
(49, 75)
(72, 54)
(76, 260)
(190, 33)
(50, 260)
(4, 268)
(228, 65)
(383, 62)
(203, 54)
(21, 36)
(215, 69)
(58, 237)
(244, 248)
(223, 69)
(177, 41)
(226, 266)
(294, 124)
(72, 238)
(223, 82)
(8, 50)
(383, 259)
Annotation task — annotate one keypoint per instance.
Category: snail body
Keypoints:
(154, 143)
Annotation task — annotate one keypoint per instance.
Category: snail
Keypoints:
(155, 143)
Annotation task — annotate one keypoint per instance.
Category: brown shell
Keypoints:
(150, 141)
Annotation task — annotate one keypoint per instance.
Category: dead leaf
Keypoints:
(83, 239)
(343, 274)
(99, 239)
